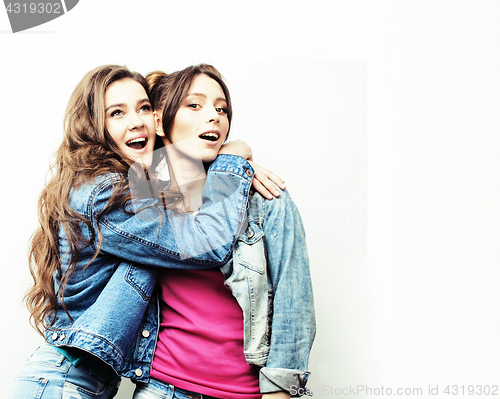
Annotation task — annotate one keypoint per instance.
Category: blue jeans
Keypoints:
(49, 375)
(155, 389)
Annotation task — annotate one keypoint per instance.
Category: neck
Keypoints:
(187, 175)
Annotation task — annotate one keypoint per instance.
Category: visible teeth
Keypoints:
(138, 140)
(210, 135)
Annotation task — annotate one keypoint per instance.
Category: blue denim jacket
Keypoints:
(119, 322)
(269, 276)
(106, 302)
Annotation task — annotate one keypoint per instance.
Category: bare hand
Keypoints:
(264, 181)
(276, 395)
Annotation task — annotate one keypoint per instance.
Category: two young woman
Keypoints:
(92, 231)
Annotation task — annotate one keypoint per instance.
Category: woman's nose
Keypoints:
(213, 116)
(135, 120)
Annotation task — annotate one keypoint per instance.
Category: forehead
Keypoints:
(124, 91)
(204, 84)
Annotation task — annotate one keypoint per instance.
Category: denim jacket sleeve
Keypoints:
(156, 237)
(288, 380)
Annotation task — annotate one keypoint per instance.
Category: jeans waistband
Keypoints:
(178, 393)
(193, 395)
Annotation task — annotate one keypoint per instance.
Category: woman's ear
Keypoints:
(159, 127)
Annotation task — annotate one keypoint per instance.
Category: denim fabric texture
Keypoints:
(48, 375)
(158, 390)
(269, 276)
(112, 301)
(115, 316)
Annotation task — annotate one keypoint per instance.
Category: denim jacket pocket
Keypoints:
(246, 276)
(249, 249)
(143, 282)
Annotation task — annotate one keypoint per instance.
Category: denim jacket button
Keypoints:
(138, 372)
(145, 333)
(248, 172)
(250, 233)
(54, 336)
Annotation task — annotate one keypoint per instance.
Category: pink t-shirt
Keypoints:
(200, 344)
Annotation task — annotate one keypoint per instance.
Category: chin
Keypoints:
(209, 157)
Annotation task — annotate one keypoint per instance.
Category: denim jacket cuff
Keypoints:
(289, 380)
(233, 164)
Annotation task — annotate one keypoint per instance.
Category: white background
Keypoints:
(382, 117)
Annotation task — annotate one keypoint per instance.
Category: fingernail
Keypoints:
(283, 185)
(270, 196)
(277, 193)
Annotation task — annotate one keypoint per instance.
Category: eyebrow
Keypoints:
(204, 96)
(144, 100)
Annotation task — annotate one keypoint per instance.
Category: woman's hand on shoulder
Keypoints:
(264, 181)
(276, 395)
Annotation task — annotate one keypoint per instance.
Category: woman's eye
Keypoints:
(116, 113)
(194, 105)
(146, 107)
(221, 110)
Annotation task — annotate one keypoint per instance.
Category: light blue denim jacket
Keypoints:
(269, 276)
(115, 315)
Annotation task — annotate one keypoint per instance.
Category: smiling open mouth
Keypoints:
(138, 143)
(209, 136)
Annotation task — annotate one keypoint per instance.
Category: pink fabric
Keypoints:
(200, 345)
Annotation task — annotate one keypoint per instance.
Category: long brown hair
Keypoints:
(168, 91)
(87, 151)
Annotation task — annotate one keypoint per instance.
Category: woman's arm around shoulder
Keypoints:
(264, 181)
(151, 235)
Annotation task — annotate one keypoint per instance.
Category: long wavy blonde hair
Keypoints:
(87, 151)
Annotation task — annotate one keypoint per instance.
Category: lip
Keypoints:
(139, 136)
(208, 142)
